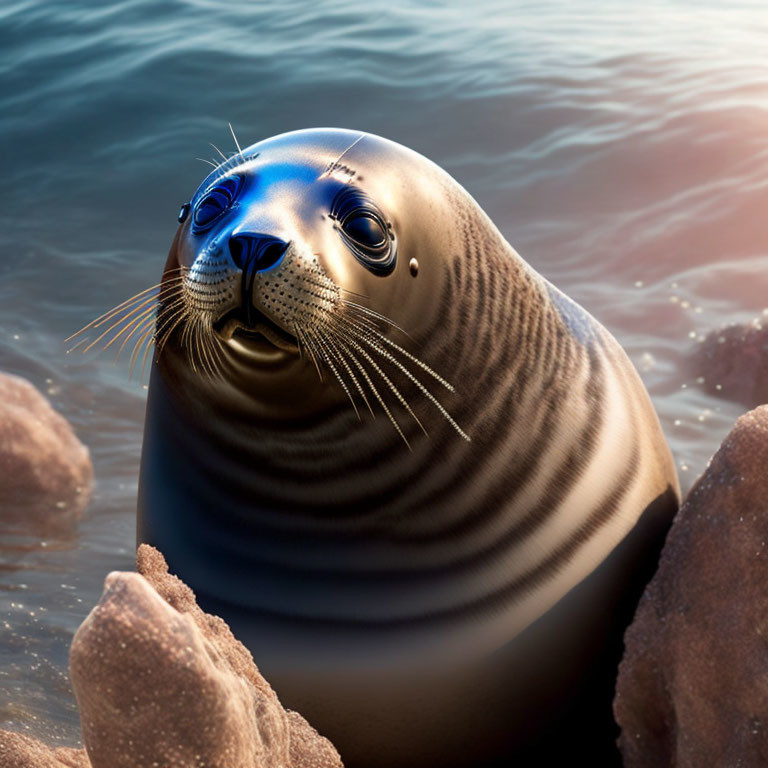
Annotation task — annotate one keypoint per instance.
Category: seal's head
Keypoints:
(311, 252)
(271, 237)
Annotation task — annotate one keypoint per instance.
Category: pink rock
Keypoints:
(20, 751)
(693, 684)
(733, 363)
(45, 471)
(158, 681)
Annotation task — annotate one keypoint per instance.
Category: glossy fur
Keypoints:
(446, 583)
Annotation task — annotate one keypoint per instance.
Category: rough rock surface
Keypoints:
(45, 471)
(20, 751)
(158, 681)
(161, 683)
(733, 363)
(693, 684)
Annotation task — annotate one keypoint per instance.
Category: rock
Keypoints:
(161, 683)
(308, 749)
(733, 363)
(20, 751)
(46, 471)
(693, 684)
(158, 681)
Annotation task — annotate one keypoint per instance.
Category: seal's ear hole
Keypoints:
(183, 213)
(414, 267)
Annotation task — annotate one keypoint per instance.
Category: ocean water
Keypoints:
(621, 147)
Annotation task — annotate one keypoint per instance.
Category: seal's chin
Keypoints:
(260, 335)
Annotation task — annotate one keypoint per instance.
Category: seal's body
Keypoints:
(444, 584)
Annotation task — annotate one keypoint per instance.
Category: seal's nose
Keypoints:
(256, 252)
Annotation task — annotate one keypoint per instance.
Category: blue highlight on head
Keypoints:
(235, 200)
(215, 203)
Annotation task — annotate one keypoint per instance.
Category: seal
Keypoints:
(422, 485)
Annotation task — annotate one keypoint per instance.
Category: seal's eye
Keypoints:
(215, 202)
(364, 230)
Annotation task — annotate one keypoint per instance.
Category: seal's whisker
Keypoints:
(136, 348)
(380, 336)
(299, 342)
(302, 335)
(187, 340)
(373, 324)
(172, 295)
(313, 354)
(170, 300)
(183, 336)
(197, 335)
(136, 304)
(197, 343)
(359, 386)
(173, 292)
(204, 331)
(203, 160)
(216, 345)
(237, 143)
(345, 290)
(353, 293)
(167, 323)
(138, 327)
(175, 274)
(145, 356)
(327, 357)
(320, 285)
(165, 309)
(332, 314)
(206, 334)
(387, 356)
(187, 329)
(395, 391)
(354, 328)
(355, 307)
(211, 346)
(376, 394)
(340, 357)
(91, 343)
(130, 319)
(145, 342)
(138, 314)
(115, 310)
(79, 343)
(138, 324)
(372, 344)
(175, 287)
(221, 154)
(141, 298)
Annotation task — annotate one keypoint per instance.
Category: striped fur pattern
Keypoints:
(564, 456)
(384, 506)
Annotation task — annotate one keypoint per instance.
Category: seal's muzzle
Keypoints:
(251, 254)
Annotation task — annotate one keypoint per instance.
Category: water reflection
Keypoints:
(622, 148)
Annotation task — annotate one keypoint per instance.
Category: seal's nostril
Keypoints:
(256, 252)
(239, 251)
(269, 254)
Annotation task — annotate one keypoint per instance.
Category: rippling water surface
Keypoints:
(621, 147)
